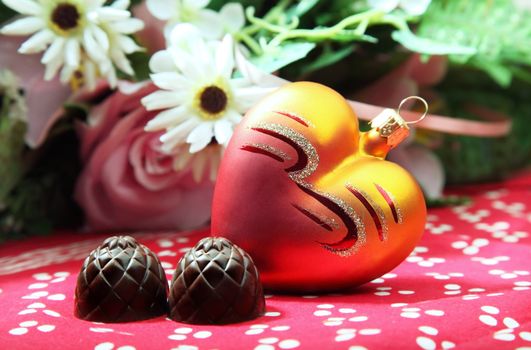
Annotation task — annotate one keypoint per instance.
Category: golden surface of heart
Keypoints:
(311, 198)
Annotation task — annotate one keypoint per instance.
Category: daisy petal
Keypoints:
(383, 5)
(72, 53)
(112, 14)
(94, 51)
(200, 144)
(128, 45)
(52, 68)
(118, 57)
(225, 57)
(187, 64)
(121, 4)
(25, 7)
(168, 118)
(37, 42)
(89, 74)
(223, 131)
(66, 73)
(232, 17)
(162, 61)
(200, 136)
(54, 51)
(169, 80)
(209, 24)
(101, 38)
(24, 26)
(162, 99)
(177, 134)
(415, 7)
(249, 96)
(195, 4)
(128, 26)
(233, 116)
(161, 9)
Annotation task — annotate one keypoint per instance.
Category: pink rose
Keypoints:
(127, 183)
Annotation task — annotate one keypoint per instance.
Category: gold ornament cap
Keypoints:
(390, 125)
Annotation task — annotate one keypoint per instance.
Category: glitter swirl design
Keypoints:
(269, 150)
(326, 222)
(299, 171)
(307, 163)
(374, 209)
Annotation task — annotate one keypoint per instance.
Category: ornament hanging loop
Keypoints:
(418, 98)
(392, 127)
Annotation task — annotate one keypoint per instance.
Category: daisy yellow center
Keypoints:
(212, 101)
(66, 18)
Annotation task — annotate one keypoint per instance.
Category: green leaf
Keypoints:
(301, 8)
(140, 63)
(499, 32)
(282, 55)
(430, 47)
(5, 13)
(348, 35)
(216, 5)
(328, 58)
(501, 74)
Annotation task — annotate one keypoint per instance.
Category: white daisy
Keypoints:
(80, 38)
(201, 101)
(411, 7)
(211, 24)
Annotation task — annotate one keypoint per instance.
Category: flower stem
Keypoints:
(325, 33)
(250, 42)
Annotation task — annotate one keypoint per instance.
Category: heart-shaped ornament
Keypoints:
(311, 198)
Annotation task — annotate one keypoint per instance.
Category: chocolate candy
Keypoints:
(216, 282)
(121, 281)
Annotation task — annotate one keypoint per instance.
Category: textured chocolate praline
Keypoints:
(121, 281)
(216, 282)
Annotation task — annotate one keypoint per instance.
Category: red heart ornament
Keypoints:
(311, 198)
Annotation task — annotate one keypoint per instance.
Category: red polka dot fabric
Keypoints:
(467, 286)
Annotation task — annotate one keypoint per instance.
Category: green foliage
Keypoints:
(12, 131)
(281, 56)
(493, 36)
(5, 13)
(473, 159)
(42, 199)
(140, 63)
